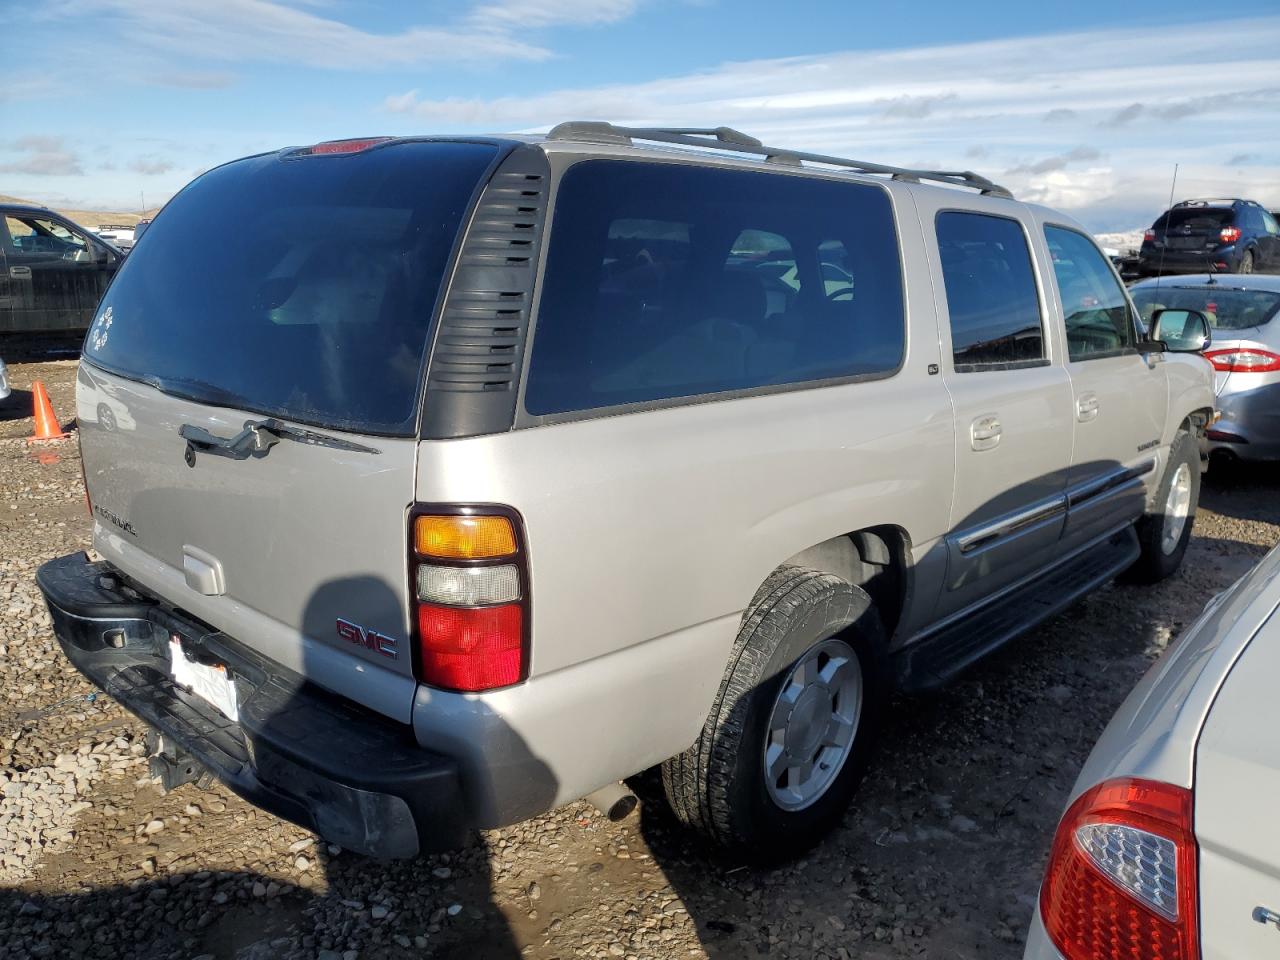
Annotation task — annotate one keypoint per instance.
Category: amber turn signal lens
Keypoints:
(464, 538)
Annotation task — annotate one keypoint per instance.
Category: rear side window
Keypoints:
(992, 298)
(299, 287)
(666, 281)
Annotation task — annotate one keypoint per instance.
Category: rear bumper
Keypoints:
(356, 778)
(1250, 418)
(1186, 261)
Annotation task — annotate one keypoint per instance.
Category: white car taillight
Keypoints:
(469, 586)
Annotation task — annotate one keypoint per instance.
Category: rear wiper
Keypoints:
(256, 440)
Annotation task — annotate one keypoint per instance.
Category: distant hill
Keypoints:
(92, 219)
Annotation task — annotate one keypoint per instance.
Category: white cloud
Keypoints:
(530, 14)
(274, 31)
(1087, 121)
(41, 155)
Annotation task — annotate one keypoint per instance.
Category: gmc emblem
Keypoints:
(369, 639)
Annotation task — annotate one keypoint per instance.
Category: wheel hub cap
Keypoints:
(1177, 508)
(813, 724)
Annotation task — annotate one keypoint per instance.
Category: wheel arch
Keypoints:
(876, 558)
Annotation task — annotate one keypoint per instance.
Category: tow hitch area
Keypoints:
(172, 766)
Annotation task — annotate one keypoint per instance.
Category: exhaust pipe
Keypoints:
(614, 800)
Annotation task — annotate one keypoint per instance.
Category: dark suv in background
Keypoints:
(1207, 236)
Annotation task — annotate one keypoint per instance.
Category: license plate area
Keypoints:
(211, 682)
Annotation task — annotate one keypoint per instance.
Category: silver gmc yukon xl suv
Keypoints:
(478, 474)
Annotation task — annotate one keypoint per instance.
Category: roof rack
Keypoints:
(1214, 202)
(726, 138)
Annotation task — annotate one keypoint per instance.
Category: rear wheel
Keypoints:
(787, 739)
(1165, 531)
(1246, 262)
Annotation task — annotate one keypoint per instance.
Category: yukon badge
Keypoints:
(369, 639)
(125, 525)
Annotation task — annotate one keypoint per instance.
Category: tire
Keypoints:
(1162, 550)
(1246, 262)
(719, 785)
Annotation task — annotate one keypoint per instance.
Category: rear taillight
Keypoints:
(470, 582)
(1121, 880)
(1229, 234)
(1243, 360)
(1149, 236)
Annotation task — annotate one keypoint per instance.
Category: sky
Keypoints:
(1086, 106)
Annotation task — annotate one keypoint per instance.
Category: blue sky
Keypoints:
(1087, 110)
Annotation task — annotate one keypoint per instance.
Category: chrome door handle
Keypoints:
(19, 272)
(984, 433)
(1087, 407)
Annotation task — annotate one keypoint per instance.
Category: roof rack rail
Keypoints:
(1214, 201)
(726, 138)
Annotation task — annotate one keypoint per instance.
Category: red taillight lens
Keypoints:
(471, 649)
(1229, 234)
(1149, 235)
(1243, 360)
(1121, 882)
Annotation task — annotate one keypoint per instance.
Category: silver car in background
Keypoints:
(5, 389)
(1245, 354)
(1168, 847)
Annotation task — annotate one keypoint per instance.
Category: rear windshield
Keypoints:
(1206, 219)
(300, 288)
(1225, 309)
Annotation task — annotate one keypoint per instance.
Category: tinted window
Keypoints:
(991, 291)
(1225, 309)
(666, 281)
(40, 236)
(296, 287)
(1097, 315)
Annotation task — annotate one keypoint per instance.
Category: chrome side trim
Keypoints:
(1010, 524)
(979, 604)
(1091, 489)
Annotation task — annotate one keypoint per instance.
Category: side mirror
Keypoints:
(1181, 331)
(102, 255)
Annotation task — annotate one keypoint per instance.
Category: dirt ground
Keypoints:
(940, 855)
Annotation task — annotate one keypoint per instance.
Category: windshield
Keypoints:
(299, 287)
(1225, 309)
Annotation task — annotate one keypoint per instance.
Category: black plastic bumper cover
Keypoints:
(353, 776)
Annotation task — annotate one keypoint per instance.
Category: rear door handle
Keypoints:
(1087, 407)
(984, 433)
(18, 273)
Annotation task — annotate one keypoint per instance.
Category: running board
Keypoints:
(941, 654)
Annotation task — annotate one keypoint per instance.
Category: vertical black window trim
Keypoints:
(1046, 355)
(1135, 325)
(524, 418)
(480, 329)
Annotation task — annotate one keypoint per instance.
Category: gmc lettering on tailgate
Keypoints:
(369, 639)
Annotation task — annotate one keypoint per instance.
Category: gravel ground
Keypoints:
(940, 855)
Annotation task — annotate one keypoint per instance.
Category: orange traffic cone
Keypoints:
(47, 425)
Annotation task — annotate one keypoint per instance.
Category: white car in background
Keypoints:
(1168, 848)
(120, 235)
